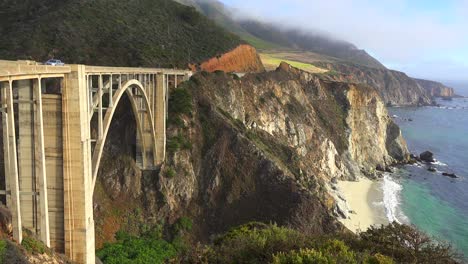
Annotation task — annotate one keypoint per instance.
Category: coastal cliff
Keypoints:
(263, 148)
(436, 89)
(395, 87)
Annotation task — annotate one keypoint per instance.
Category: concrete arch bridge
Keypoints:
(51, 155)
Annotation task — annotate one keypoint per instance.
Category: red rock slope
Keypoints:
(244, 58)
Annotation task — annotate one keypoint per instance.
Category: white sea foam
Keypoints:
(437, 162)
(391, 199)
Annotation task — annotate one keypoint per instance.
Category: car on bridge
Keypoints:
(54, 62)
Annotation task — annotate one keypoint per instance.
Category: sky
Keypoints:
(424, 38)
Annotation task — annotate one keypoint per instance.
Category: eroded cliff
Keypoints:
(395, 87)
(436, 89)
(264, 147)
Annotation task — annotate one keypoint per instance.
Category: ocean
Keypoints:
(436, 204)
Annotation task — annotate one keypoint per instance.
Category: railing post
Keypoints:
(100, 117)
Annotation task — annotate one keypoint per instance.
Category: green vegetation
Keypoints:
(405, 244)
(153, 33)
(33, 245)
(170, 173)
(258, 43)
(177, 143)
(3, 249)
(182, 225)
(149, 248)
(332, 251)
(267, 243)
(209, 129)
(180, 101)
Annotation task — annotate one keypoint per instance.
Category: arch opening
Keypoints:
(144, 119)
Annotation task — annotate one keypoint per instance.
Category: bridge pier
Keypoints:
(77, 174)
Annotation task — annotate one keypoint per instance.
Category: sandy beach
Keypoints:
(364, 197)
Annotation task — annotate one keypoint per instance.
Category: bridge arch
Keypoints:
(127, 88)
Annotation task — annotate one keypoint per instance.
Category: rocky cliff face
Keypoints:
(436, 89)
(264, 147)
(243, 58)
(395, 88)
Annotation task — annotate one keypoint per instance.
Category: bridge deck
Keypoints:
(28, 69)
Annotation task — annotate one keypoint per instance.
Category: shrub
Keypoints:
(333, 251)
(180, 101)
(149, 248)
(3, 249)
(170, 173)
(405, 244)
(183, 224)
(33, 246)
(178, 142)
(255, 243)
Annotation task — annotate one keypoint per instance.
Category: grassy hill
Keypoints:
(110, 32)
(268, 37)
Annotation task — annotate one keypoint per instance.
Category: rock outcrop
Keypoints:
(436, 89)
(243, 58)
(427, 156)
(395, 87)
(264, 147)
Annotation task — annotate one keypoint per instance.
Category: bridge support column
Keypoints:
(160, 119)
(78, 200)
(11, 163)
(26, 173)
(40, 164)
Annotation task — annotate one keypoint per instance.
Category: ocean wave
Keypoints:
(391, 199)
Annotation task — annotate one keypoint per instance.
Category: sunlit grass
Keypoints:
(271, 62)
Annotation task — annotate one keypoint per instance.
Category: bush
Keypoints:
(150, 248)
(170, 173)
(3, 249)
(183, 224)
(255, 243)
(333, 251)
(405, 244)
(180, 101)
(178, 142)
(33, 246)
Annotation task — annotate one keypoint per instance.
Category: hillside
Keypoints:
(267, 36)
(110, 32)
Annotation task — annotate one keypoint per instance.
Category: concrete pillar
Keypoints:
(78, 200)
(40, 164)
(160, 119)
(26, 165)
(11, 164)
(53, 141)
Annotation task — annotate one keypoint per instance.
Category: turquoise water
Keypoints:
(434, 203)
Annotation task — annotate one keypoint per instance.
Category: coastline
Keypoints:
(364, 199)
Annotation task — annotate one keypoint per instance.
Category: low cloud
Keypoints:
(397, 32)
